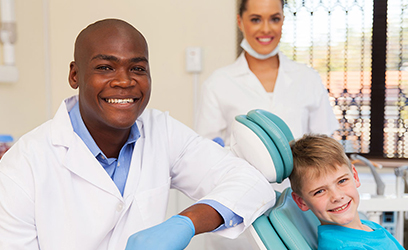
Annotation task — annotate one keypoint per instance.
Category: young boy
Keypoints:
(324, 181)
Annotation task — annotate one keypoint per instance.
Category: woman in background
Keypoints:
(264, 78)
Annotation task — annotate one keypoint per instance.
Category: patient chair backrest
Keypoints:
(297, 229)
(262, 139)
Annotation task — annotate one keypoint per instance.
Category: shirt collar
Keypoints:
(81, 130)
(240, 66)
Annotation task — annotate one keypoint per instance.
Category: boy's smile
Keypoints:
(332, 197)
(339, 209)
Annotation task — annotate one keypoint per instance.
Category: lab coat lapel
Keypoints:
(81, 162)
(136, 163)
(240, 66)
(283, 81)
(244, 75)
(78, 159)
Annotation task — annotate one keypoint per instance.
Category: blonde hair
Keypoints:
(313, 155)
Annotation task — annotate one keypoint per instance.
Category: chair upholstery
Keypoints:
(267, 234)
(297, 229)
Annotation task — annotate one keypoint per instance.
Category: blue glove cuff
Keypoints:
(173, 234)
(187, 221)
(220, 141)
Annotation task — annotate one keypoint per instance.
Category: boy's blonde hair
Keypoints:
(313, 155)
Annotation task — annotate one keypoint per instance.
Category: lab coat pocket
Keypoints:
(152, 203)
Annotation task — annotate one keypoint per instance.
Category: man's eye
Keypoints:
(104, 67)
(138, 69)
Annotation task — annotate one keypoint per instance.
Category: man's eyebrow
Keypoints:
(139, 59)
(105, 57)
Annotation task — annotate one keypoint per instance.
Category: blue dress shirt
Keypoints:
(117, 168)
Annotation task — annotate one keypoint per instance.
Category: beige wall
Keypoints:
(47, 29)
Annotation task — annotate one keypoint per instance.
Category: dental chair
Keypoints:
(262, 139)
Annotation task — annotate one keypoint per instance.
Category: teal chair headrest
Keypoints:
(262, 138)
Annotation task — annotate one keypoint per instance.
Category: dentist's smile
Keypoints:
(119, 101)
(265, 40)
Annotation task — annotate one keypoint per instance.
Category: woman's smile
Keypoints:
(265, 40)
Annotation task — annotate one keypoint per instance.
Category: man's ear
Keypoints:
(300, 202)
(73, 75)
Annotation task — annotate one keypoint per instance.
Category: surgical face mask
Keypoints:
(245, 45)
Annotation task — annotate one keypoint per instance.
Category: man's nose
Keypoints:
(122, 79)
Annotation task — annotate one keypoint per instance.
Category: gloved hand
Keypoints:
(220, 141)
(173, 234)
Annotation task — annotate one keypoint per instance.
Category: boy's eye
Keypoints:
(318, 192)
(342, 181)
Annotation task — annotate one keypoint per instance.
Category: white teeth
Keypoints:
(340, 208)
(264, 40)
(120, 101)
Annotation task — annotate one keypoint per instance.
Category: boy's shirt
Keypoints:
(338, 237)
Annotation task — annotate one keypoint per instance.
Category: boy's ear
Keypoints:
(355, 175)
(300, 202)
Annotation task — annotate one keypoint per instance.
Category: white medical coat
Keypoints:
(299, 98)
(54, 194)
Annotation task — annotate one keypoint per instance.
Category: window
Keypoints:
(360, 49)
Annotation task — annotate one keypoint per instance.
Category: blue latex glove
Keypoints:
(173, 234)
(219, 140)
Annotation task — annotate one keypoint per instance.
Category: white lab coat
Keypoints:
(299, 98)
(54, 194)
